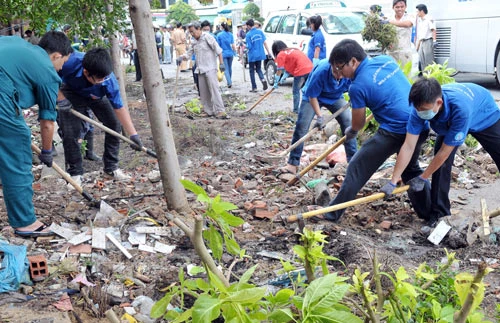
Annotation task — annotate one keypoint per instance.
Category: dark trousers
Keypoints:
(441, 179)
(71, 127)
(255, 67)
(372, 154)
(138, 73)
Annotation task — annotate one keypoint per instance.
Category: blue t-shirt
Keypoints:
(380, 85)
(72, 76)
(255, 44)
(466, 108)
(26, 69)
(317, 40)
(322, 85)
(225, 40)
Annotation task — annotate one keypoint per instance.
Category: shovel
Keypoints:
(307, 136)
(320, 158)
(344, 205)
(259, 101)
(111, 132)
(68, 179)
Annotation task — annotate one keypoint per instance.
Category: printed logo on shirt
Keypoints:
(459, 136)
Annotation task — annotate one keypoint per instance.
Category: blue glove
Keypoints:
(417, 184)
(387, 189)
(46, 157)
(137, 142)
(350, 134)
(384, 21)
(276, 80)
(64, 105)
(319, 123)
(284, 77)
(315, 61)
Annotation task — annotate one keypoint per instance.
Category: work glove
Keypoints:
(417, 184)
(284, 77)
(315, 61)
(383, 21)
(137, 142)
(222, 68)
(178, 61)
(350, 134)
(64, 105)
(276, 81)
(434, 44)
(46, 157)
(319, 122)
(387, 189)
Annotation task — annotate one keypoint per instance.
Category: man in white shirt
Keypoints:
(426, 37)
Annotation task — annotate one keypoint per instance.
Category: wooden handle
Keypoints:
(320, 158)
(260, 100)
(344, 205)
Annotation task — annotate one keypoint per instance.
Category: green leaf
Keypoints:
(232, 246)
(334, 316)
(232, 220)
(283, 296)
(216, 283)
(247, 275)
(318, 289)
(185, 316)
(206, 309)
(159, 308)
(336, 294)
(401, 274)
(246, 296)
(214, 239)
(281, 315)
(195, 270)
(196, 189)
(300, 251)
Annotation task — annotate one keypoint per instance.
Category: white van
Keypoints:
(290, 27)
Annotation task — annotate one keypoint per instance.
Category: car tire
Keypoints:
(497, 74)
(270, 71)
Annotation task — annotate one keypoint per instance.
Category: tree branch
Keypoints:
(461, 316)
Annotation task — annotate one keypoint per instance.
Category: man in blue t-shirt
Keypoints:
(256, 41)
(453, 111)
(320, 90)
(317, 46)
(88, 82)
(380, 85)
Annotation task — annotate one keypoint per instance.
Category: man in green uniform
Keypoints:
(28, 76)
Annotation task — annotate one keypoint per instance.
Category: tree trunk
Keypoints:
(157, 106)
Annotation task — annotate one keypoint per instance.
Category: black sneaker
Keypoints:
(92, 157)
(264, 85)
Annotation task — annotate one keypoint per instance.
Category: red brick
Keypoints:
(385, 225)
(38, 267)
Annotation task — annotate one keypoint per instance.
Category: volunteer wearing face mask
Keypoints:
(453, 111)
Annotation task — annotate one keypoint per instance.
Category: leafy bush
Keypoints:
(384, 34)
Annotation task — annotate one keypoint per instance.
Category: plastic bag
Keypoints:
(14, 269)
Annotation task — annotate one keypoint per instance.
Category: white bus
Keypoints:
(468, 33)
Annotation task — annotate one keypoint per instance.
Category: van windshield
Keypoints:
(343, 22)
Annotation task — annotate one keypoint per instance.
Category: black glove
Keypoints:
(269, 56)
(319, 123)
(222, 68)
(46, 157)
(137, 142)
(417, 184)
(178, 61)
(387, 189)
(64, 105)
(350, 134)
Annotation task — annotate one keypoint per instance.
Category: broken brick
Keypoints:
(263, 213)
(238, 183)
(385, 225)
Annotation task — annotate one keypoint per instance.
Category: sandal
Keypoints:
(204, 115)
(221, 115)
(38, 232)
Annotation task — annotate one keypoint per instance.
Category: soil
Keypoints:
(220, 155)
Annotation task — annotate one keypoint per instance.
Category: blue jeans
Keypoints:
(306, 115)
(71, 127)
(298, 82)
(255, 67)
(369, 158)
(228, 64)
(166, 55)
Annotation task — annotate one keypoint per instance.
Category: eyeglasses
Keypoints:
(339, 68)
(99, 81)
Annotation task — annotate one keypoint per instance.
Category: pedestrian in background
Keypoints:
(179, 39)
(291, 61)
(167, 58)
(426, 37)
(256, 42)
(226, 41)
(317, 46)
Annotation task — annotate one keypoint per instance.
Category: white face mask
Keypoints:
(426, 114)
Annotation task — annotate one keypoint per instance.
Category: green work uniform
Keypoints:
(27, 77)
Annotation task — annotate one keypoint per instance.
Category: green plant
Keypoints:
(384, 34)
(288, 96)
(194, 106)
(181, 12)
(251, 10)
(442, 73)
(471, 141)
(83, 146)
(239, 106)
(130, 69)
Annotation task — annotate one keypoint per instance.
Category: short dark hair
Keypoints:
(97, 62)
(250, 23)
(345, 50)
(424, 90)
(56, 42)
(205, 23)
(422, 7)
(28, 32)
(224, 26)
(396, 1)
(179, 24)
(316, 21)
(277, 47)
